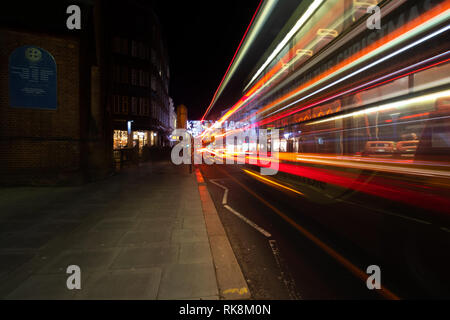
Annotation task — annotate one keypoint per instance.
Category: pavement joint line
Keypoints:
(229, 276)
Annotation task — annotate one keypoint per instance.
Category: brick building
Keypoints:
(35, 142)
(73, 141)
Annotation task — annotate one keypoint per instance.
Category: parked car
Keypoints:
(379, 148)
(407, 148)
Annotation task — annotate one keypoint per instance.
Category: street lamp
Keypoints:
(130, 136)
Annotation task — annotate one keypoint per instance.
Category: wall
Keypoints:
(41, 146)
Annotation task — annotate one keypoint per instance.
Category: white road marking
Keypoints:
(225, 195)
(286, 276)
(237, 214)
(445, 229)
(251, 223)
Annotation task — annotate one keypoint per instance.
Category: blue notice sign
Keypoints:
(32, 79)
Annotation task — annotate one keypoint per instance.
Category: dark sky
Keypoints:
(202, 37)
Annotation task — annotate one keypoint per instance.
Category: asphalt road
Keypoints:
(296, 244)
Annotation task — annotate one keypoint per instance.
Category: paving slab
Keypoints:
(26, 240)
(122, 285)
(195, 252)
(87, 260)
(142, 238)
(163, 223)
(189, 235)
(59, 226)
(181, 281)
(138, 235)
(146, 257)
(194, 222)
(43, 287)
(9, 261)
(11, 227)
(96, 239)
(115, 224)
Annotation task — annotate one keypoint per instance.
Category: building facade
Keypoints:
(139, 79)
(66, 96)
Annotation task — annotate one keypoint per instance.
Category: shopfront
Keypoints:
(140, 139)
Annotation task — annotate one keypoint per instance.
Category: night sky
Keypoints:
(202, 37)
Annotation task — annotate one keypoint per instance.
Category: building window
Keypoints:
(153, 110)
(141, 106)
(116, 73)
(120, 139)
(117, 45)
(125, 49)
(124, 74)
(147, 79)
(134, 77)
(154, 58)
(120, 45)
(140, 139)
(116, 104)
(141, 78)
(134, 48)
(147, 53)
(143, 51)
(125, 104)
(153, 83)
(146, 107)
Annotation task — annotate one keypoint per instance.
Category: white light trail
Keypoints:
(300, 22)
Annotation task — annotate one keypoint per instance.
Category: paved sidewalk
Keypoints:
(138, 235)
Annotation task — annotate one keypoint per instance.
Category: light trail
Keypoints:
(300, 22)
(413, 28)
(355, 270)
(432, 18)
(369, 85)
(231, 63)
(272, 182)
(394, 105)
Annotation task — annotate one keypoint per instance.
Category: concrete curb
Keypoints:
(230, 280)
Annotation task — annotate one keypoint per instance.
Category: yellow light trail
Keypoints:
(257, 176)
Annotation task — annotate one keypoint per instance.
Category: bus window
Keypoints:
(434, 143)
